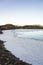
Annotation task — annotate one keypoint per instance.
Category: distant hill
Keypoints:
(10, 26)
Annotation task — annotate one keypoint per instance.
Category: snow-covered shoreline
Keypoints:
(28, 50)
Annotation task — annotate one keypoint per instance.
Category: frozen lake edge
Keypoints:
(28, 50)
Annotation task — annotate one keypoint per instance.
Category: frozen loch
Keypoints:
(26, 44)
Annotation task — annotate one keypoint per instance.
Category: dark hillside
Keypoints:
(10, 26)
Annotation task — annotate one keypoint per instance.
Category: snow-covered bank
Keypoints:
(28, 50)
(7, 58)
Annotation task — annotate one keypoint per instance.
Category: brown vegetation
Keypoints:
(10, 26)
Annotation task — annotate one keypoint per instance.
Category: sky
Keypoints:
(21, 12)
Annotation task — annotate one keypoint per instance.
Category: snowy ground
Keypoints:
(26, 49)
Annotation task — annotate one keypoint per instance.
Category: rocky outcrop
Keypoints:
(1, 32)
(7, 58)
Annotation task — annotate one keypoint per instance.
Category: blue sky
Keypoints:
(21, 12)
